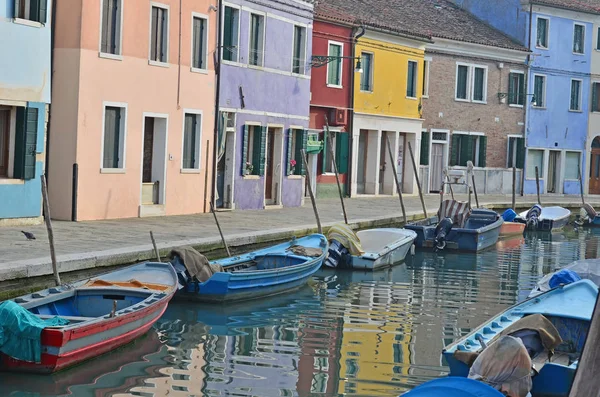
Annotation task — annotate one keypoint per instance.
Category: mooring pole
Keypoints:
(310, 192)
(335, 168)
(49, 229)
(414, 164)
(398, 187)
(537, 184)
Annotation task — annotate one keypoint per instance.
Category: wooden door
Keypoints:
(269, 173)
(437, 166)
(4, 141)
(595, 172)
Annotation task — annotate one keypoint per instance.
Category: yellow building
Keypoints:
(387, 106)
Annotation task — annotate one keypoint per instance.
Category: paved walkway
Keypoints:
(81, 245)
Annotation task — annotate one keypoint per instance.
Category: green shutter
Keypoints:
(257, 151)
(595, 97)
(425, 148)
(520, 153)
(512, 90)
(245, 150)
(466, 150)
(342, 152)
(482, 150)
(301, 138)
(228, 34)
(43, 10)
(289, 152)
(411, 80)
(263, 146)
(454, 149)
(17, 4)
(25, 143)
(325, 154)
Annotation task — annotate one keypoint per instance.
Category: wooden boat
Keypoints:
(544, 219)
(101, 314)
(257, 274)
(512, 228)
(565, 311)
(378, 247)
(588, 216)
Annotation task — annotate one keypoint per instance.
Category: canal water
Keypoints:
(346, 333)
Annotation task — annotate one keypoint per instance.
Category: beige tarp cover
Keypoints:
(196, 264)
(346, 236)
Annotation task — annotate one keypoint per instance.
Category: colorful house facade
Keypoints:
(133, 122)
(25, 39)
(264, 101)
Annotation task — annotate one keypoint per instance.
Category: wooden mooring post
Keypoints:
(537, 184)
(335, 168)
(587, 381)
(416, 170)
(514, 188)
(398, 187)
(212, 209)
(156, 252)
(310, 192)
(48, 221)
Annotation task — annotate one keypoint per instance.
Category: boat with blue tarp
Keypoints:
(257, 274)
(552, 326)
(453, 387)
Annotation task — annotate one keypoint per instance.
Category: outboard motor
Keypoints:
(337, 254)
(441, 231)
(182, 274)
(532, 216)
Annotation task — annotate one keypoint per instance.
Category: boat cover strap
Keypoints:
(127, 284)
(196, 264)
(301, 250)
(21, 332)
(458, 211)
(548, 333)
(345, 236)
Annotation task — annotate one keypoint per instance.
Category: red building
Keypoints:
(331, 97)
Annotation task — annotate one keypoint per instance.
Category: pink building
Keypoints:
(132, 112)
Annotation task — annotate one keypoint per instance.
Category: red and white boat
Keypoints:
(101, 314)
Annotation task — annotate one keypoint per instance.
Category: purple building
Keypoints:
(264, 101)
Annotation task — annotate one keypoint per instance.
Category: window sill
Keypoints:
(480, 102)
(339, 87)
(575, 111)
(579, 53)
(462, 100)
(571, 180)
(189, 171)
(539, 107)
(157, 63)
(514, 105)
(251, 177)
(328, 173)
(116, 57)
(541, 48)
(412, 98)
(425, 96)
(295, 177)
(11, 181)
(257, 67)
(27, 22)
(232, 63)
(298, 74)
(198, 70)
(112, 170)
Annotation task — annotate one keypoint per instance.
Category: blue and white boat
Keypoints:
(257, 274)
(566, 312)
(544, 219)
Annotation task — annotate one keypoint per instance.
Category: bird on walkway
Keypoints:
(29, 235)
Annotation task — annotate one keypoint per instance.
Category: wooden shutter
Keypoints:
(520, 153)
(111, 137)
(17, 8)
(325, 152)
(466, 150)
(301, 140)
(25, 143)
(105, 25)
(461, 82)
(188, 141)
(342, 152)
(244, 150)
(512, 90)
(154, 34)
(116, 35)
(163, 34)
(263, 147)
(482, 151)
(425, 148)
(42, 11)
(289, 152)
(454, 149)
(479, 81)
(595, 97)
(228, 34)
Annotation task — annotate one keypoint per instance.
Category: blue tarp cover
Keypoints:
(565, 276)
(453, 387)
(21, 330)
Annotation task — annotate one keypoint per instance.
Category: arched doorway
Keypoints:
(595, 167)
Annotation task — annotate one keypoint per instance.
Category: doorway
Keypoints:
(553, 171)
(437, 167)
(154, 163)
(387, 183)
(273, 165)
(225, 161)
(595, 167)
(4, 141)
(361, 165)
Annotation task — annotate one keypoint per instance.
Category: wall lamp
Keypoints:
(322, 60)
(503, 95)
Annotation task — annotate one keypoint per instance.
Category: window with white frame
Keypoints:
(32, 10)
(578, 38)
(471, 83)
(575, 103)
(411, 80)
(159, 34)
(5, 141)
(366, 78)
(598, 39)
(231, 29)
(328, 167)
(299, 54)
(426, 66)
(539, 91)
(515, 153)
(113, 155)
(257, 35)
(572, 165)
(199, 42)
(110, 42)
(542, 32)
(468, 147)
(516, 88)
(535, 158)
(18, 141)
(334, 68)
(192, 132)
(595, 97)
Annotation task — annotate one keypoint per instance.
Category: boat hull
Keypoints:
(392, 253)
(551, 219)
(512, 228)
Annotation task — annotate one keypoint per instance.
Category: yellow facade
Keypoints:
(391, 56)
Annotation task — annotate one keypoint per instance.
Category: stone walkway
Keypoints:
(81, 245)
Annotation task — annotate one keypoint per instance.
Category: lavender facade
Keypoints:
(264, 101)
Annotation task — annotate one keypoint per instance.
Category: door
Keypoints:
(553, 171)
(595, 172)
(149, 187)
(361, 166)
(437, 166)
(383, 157)
(4, 141)
(270, 168)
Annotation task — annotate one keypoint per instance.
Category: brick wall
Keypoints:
(495, 119)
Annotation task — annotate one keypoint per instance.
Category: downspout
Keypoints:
(52, 33)
(526, 131)
(354, 39)
(217, 65)
(179, 60)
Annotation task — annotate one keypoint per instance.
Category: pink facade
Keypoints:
(133, 105)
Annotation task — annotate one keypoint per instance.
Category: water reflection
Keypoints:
(351, 333)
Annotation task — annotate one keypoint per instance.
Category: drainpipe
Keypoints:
(354, 39)
(217, 65)
(52, 33)
(527, 104)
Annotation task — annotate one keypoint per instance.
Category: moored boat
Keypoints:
(552, 326)
(453, 387)
(512, 229)
(54, 329)
(265, 272)
(588, 216)
(587, 269)
(547, 219)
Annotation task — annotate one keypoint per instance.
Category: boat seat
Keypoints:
(70, 318)
(558, 358)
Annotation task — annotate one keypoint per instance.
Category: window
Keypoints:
(575, 104)
(253, 153)
(18, 142)
(231, 28)
(297, 139)
(299, 55)
(192, 129)
(257, 35)
(542, 33)
(598, 40)
(328, 161)
(572, 165)
(411, 81)
(334, 68)
(366, 78)
(424, 158)
(110, 42)
(114, 137)
(468, 147)
(539, 91)
(578, 38)
(32, 10)
(595, 97)
(425, 91)
(159, 36)
(471, 83)
(535, 158)
(516, 152)
(199, 42)
(4, 140)
(516, 88)
(340, 145)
